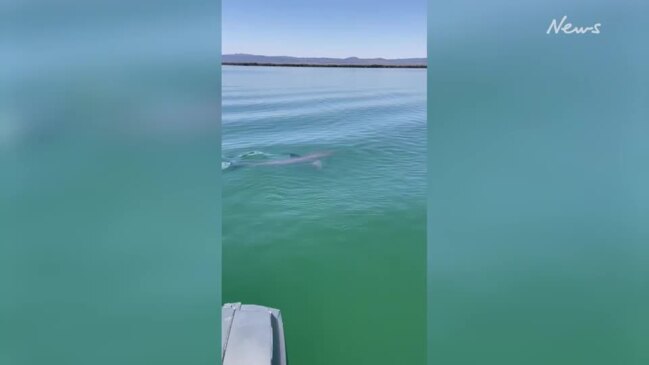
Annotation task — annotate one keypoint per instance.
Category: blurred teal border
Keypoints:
(538, 184)
(110, 190)
(219, 258)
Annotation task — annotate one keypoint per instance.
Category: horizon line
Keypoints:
(265, 55)
(330, 65)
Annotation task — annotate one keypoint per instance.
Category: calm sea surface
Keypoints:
(340, 247)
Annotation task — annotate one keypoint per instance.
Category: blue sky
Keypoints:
(325, 28)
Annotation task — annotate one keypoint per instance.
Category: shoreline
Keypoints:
(259, 64)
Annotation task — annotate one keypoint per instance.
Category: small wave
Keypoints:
(243, 158)
(252, 155)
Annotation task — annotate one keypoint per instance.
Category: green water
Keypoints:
(340, 249)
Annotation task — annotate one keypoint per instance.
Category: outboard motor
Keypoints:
(252, 335)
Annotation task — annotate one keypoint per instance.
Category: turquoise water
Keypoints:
(339, 247)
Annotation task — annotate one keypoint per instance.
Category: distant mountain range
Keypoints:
(249, 59)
